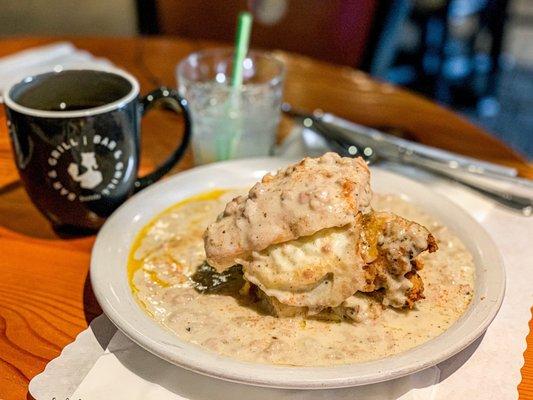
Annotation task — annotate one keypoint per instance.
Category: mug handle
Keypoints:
(173, 100)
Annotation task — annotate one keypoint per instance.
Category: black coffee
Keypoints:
(71, 90)
(76, 137)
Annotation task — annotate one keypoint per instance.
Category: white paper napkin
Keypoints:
(104, 364)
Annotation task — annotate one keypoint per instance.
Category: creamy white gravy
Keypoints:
(171, 247)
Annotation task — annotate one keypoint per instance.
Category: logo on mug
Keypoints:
(91, 177)
(85, 161)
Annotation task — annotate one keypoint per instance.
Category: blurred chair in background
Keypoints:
(449, 50)
(334, 30)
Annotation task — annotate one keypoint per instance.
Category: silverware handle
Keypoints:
(419, 158)
(461, 162)
(516, 202)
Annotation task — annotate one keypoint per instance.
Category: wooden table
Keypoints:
(45, 293)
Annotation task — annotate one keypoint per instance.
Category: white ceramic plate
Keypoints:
(110, 284)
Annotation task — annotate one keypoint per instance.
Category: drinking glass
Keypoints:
(231, 121)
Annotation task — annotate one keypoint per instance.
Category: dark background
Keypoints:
(475, 56)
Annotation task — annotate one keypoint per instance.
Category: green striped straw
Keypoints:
(242, 41)
(228, 139)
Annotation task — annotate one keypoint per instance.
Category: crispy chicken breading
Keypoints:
(390, 245)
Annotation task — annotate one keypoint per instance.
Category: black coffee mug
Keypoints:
(76, 139)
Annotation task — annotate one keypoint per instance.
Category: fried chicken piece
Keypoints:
(390, 245)
(417, 290)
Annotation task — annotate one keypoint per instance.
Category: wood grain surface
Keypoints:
(45, 294)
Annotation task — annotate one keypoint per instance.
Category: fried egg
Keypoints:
(316, 271)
